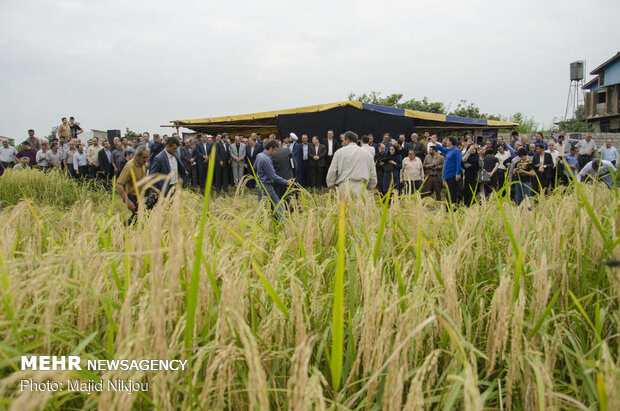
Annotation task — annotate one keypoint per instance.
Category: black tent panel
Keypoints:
(377, 124)
(313, 124)
(341, 119)
(489, 134)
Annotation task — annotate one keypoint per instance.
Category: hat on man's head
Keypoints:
(293, 136)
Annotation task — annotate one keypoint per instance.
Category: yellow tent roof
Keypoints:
(266, 120)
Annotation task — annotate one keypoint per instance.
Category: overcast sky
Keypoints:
(139, 64)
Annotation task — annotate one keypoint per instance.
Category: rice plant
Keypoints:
(364, 305)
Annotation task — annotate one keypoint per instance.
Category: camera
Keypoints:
(151, 200)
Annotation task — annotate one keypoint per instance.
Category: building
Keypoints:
(361, 118)
(602, 95)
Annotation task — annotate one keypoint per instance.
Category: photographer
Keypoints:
(135, 170)
(471, 163)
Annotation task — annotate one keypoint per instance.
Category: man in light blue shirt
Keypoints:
(573, 163)
(267, 177)
(609, 153)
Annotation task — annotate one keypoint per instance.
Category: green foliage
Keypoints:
(50, 188)
(527, 125)
(394, 100)
(52, 133)
(577, 124)
(471, 110)
(580, 114)
(130, 134)
(574, 125)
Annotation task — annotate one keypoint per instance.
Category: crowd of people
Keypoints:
(462, 168)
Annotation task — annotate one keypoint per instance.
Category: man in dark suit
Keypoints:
(155, 146)
(168, 164)
(295, 148)
(316, 162)
(418, 147)
(402, 149)
(251, 151)
(404, 144)
(106, 171)
(187, 158)
(222, 161)
(202, 151)
(543, 165)
(285, 166)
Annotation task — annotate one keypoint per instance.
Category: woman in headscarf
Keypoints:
(392, 164)
(379, 162)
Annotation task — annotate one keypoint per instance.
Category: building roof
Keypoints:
(605, 64)
(265, 122)
(591, 83)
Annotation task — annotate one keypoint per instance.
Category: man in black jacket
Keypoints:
(418, 147)
(543, 165)
(201, 153)
(331, 145)
(106, 171)
(222, 162)
(251, 151)
(285, 166)
(186, 154)
(317, 154)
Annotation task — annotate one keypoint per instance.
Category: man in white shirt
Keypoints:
(67, 159)
(431, 142)
(366, 146)
(23, 164)
(80, 162)
(561, 145)
(585, 149)
(174, 173)
(42, 156)
(554, 153)
(352, 168)
(92, 154)
(558, 171)
(597, 169)
(7, 154)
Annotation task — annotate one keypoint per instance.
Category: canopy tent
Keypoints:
(363, 118)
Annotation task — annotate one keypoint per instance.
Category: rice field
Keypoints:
(368, 305)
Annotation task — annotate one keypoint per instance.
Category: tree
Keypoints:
(393, 100)
(472, 111)
(53, 133)
(580, 113)
(527, 125)
(131, 135)
(577, 124)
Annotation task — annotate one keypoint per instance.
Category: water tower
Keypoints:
(575, 93)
